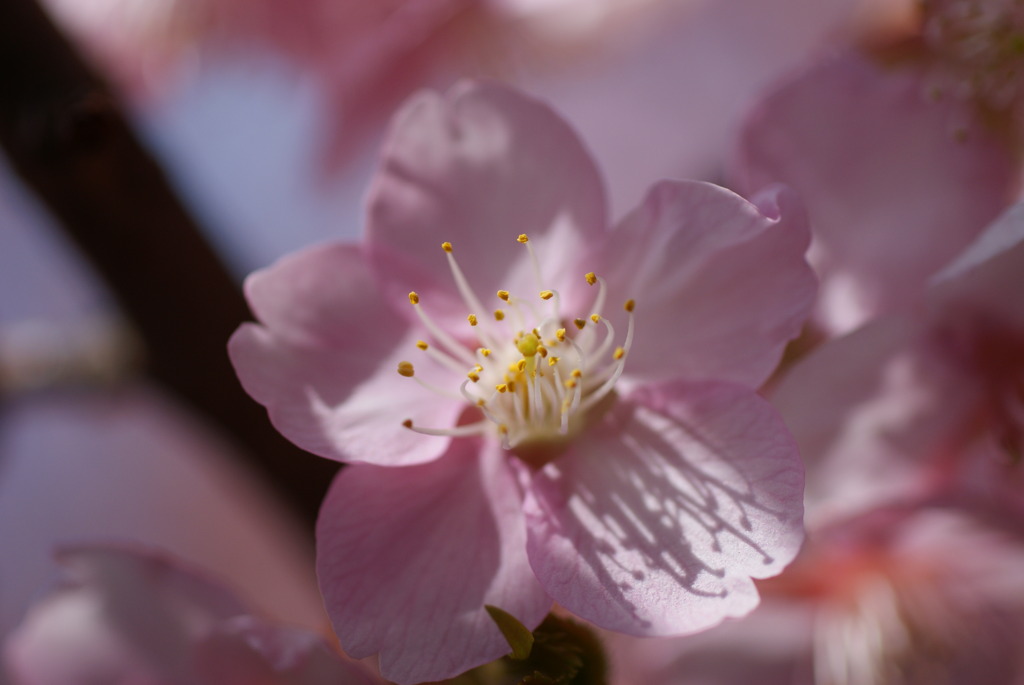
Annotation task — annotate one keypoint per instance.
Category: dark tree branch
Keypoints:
(65, 135)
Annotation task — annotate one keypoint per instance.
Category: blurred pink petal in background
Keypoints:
(123, 615)
(896, 183)
(926, 402)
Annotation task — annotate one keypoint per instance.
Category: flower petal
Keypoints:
(655, 521)
(720, 285)
(325, 361)
(120, 616)
(477, 167)
(246, 650)
(873, 411)
(408, 557)
(895, 184)
(980, 278)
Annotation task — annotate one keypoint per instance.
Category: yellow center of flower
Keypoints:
(532, 380)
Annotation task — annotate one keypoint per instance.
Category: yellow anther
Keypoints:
(405, 369)
(560, 334)
(528, 345)
(619, 353)
(498, 315)
(446, 246)
(570, 383)
(520, 365)
(471, 319)
(596, 318)
(501, 387)
(512, 368)
(481, 402)
(422, 344)
(473, 376)
(523, 238)
(553, 360)
(485, 352)
(591, 278)
(511, 386)
(503, 295)
(414, 297)
(629, 306)
(407, 423)
(546, 294)
(477, 368)
(580, 323)
(503, 429)
(576, 373)
(542, 351)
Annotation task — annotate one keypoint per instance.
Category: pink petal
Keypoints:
(895, 183)
(655, 521)
(130, 465)
(771, 646)
(983, 275)
(325, 361)
(872, 410)
(477, 167)
(720, 285)
(408, 558)
(246, 650)
(119, 612)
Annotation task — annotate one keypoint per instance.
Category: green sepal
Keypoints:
(518, 636)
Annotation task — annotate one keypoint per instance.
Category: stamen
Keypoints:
(560, 334)
(406, 369)
(499, 315)
(620, 365)
(580, 323)
(503, 295)
(445, 359)
(478, 428)
(546, 294)
(533, 261)
(453, 347)
(472, 303)
(602, 292)
(436, 390)
(422, 344)
(472, 319)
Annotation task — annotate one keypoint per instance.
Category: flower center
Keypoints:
(533, 373)
(982, 41)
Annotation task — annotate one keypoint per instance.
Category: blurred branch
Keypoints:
(65, 135)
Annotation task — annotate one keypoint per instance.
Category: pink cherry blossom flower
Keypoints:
(925, 404)
(896, 183)
(130, 616)
(891, 598)
(567, 417)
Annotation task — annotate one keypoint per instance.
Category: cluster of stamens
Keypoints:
(534, 375)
